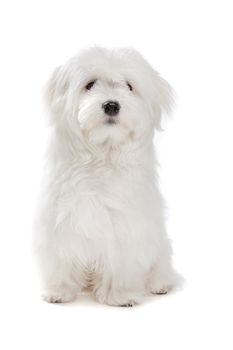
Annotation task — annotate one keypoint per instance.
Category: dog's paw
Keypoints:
(160, 291)
(58, 296)
(130, 304)
(123, 301)
(118, 298)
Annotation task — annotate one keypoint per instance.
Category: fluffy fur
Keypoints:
(101, 220)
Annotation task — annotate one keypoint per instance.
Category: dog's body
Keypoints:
(101, 222)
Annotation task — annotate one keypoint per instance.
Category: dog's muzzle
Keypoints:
(111, 108)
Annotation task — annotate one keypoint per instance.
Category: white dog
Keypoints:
(101, 222)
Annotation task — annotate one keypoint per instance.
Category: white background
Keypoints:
(190, 44)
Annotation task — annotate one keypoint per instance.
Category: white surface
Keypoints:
(190, 43)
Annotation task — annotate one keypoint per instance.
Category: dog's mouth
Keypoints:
(111, 120)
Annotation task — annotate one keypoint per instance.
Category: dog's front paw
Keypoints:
(129, 304)
(118, 298)
(59, 296)
(160, 291)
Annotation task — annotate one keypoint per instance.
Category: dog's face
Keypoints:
(108, 96)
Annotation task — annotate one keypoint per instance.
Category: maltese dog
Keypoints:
(100, 222)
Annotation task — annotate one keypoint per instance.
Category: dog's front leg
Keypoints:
(61, 279)
(121, 283)
(162, 277)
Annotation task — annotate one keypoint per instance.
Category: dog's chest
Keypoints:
(98, 203)
(111, 185)
(97, 191)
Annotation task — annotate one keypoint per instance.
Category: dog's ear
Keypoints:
(55, 92)
(163, 100)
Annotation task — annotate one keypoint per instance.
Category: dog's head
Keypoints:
(108, 96)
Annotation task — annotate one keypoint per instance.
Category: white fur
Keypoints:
(101, 221)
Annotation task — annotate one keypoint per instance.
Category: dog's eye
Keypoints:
(130, 86)
(90, 85)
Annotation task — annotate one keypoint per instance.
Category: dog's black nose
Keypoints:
(111, 108)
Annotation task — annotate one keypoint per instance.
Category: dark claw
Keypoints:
(162, 292)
